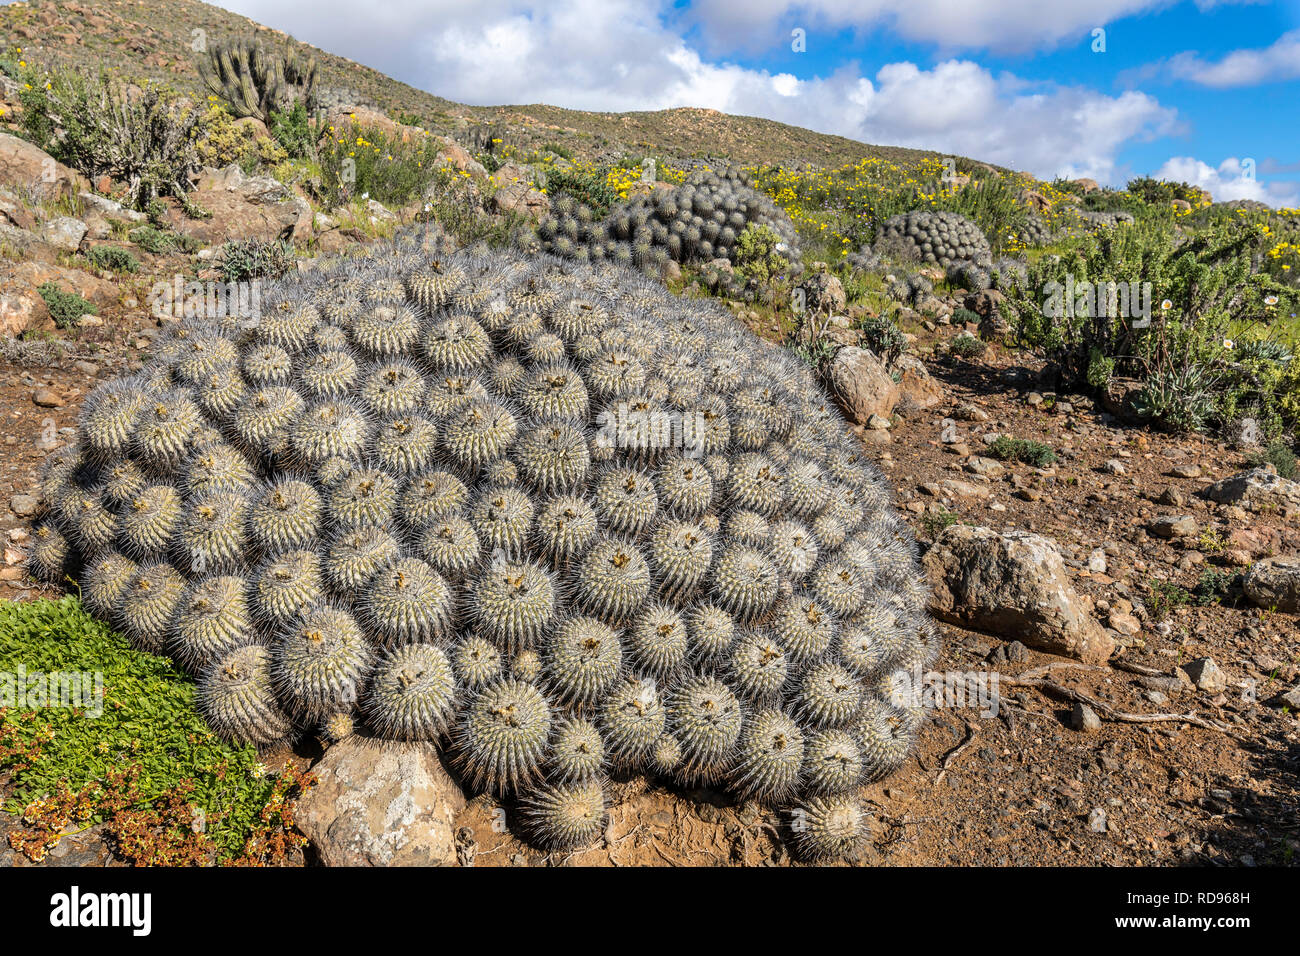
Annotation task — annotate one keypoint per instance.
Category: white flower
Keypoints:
(1166, 305)
(1227, 343)
(1270, 300)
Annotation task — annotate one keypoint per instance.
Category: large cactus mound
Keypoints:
(544, 514)
(700, 220)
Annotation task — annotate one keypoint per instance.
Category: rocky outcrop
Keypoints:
(243, 207)
(1260, 489)
(25, 167)
(1012, 584)
(381, 803)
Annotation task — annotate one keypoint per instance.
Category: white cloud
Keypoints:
(1272, 64)
(1000, 25)
(1231, 179)
(616, 55)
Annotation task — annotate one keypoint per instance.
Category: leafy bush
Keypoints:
(65, 307)
(1157, 191)
(225, 141)
(1280, 456)
(1203, 297)
(159, 241)
(967, 346)
(586, 187)
(113, 258)
(244, 259)
(148, 766)
(883, 337)
(369, 162)
(145, 139)
(756, 256)
(1007, 448)
(293, 131)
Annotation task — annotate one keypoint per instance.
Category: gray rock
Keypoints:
(1084, 718)
(1097, 820)
(1274, 583)
(823, 292)
(111, 208)
(862, 385)
(1012, 584)
(1186, 471)
(381, 804)
(1244, 433)
(63, 233)
(1260, 489)
(1206, 675)
(1173, 526)
(24, 506)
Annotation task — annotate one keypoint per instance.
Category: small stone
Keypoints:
(1084, 718)
(1186, 471)
(1206, 675)
(1126, 624)
(86, 368)
(24, 506)
(1173, 497)
(47, 398)
(877, 423)
(89, 321)
(1033, 399)
(1173, 526)
(1097, 820)
(987, 467)
(1097, 562)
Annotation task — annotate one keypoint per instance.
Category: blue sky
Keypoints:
(1206, 91)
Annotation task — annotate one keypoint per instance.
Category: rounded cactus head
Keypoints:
(566, 816)
(502, 737)
(236, 694)
(412, 694)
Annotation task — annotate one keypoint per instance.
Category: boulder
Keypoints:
(1012, 584)
(1274, 583)
(862, 385)
(918, 389)
(14, 212)
(111, 208)
(823, 292)
(22, 310)
(25, 167)
(381, 803)
(243, 207)
(1260, 489)
(63, 233)
(515, 194)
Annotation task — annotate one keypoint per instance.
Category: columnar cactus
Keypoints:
(546, 516)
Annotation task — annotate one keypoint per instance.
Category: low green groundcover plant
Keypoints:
(140, 759)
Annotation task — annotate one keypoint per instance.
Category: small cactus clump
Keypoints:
(543, 515)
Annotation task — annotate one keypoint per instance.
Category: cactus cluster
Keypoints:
(545, 514)
(254, 80)
(934, 236)
(698, 221)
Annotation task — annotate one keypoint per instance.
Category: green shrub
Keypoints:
(225, 141)
(883, 337)
(1280, 456)
(113, 258)
(244, 259)
(65, 307)
(159, 241)
(148, 731)
(590, 188)
(1035, 453)
(756, 256)
(97, 126)
(1204, 296)
(967, 346)
(293, 131)
(364, 161)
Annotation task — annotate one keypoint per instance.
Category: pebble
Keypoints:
(1097, 820)
(24, 506)
(1173, 526)
(1186, 471)
(47, 398)
(1206, 675)
(1084, 718)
